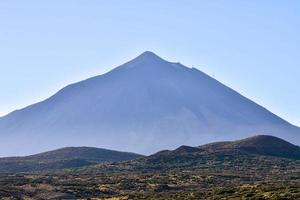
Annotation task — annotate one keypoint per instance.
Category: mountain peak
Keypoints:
(148, 57)
(147, 60)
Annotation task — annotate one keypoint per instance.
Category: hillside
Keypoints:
(69, 157)
(249, 150)
(260, 144)
(134, 107)
(205, 172)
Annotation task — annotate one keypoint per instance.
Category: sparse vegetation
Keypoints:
(185, 173)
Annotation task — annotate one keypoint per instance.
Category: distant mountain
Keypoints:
(69, 157)
(142, 106)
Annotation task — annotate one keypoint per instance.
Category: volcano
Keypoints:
(142, 106)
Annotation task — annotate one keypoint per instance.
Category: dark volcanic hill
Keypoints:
(69, 157)
(262, 148)
(250, 153)
(142, 106)
(260, 167)
(260, 144)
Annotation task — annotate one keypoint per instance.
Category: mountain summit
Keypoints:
(142, 106)
(148, 56)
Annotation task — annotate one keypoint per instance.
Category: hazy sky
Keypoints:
(251, 46)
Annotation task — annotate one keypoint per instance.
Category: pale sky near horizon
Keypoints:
(251, 46)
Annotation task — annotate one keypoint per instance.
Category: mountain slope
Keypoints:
(135, 107)
(69, 157)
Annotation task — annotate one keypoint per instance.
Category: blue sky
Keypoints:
(251, 46)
